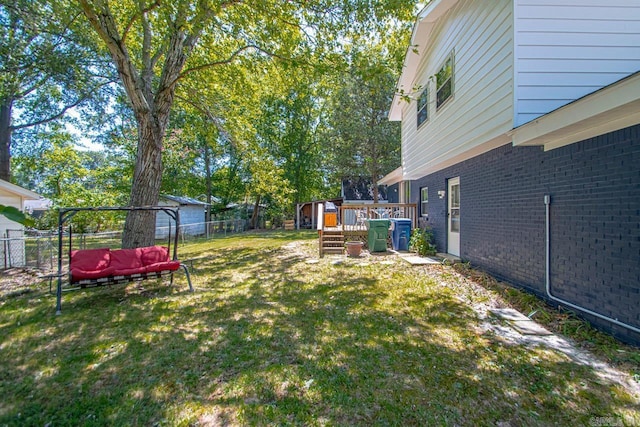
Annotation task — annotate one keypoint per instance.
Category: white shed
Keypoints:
(192, 216)
(12, 250)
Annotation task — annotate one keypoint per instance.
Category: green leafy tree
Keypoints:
(365, 143)
(48, 67)
(70, 177)
(14, 214)
(156, 45)
(289, 127)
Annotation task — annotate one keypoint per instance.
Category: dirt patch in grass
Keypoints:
(17, 281)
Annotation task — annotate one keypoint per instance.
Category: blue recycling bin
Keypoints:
(400, 233)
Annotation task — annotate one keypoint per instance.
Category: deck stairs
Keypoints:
(331, 242)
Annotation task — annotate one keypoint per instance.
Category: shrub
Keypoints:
(422, 242)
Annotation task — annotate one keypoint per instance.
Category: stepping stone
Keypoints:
(508, 314)
(418, 260)
(529, 327)
(519, 321)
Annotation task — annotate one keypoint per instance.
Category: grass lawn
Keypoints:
(275, 336)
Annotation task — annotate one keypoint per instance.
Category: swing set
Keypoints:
(105, 266)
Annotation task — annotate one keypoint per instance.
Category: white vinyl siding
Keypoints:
(566, 50)
(12, 200)
(14, 256)
(191, 220)
(481, 110)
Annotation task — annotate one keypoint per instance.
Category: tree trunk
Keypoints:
(5, 139)
(139, 228)
(255, 216)
(207, 168)
(375, 189)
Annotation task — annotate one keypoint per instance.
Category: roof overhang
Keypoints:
(425, 22)
(18, 191)
(613, 107)
(392, 177)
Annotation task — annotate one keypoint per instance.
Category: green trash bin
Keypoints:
(378, 233)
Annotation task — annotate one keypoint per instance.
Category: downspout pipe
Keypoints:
(547, 275)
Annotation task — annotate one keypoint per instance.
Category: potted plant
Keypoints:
(354, 248)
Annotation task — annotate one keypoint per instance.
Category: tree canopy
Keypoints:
(50, 65)
(260, 100)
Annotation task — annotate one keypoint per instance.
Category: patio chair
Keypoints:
(361, 218)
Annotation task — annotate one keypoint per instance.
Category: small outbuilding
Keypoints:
(12, 250)
(192, 216)
(307, 212)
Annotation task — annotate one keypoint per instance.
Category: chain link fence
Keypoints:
(39, 249)
(28, 248)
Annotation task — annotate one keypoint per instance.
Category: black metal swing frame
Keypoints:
(66, 214)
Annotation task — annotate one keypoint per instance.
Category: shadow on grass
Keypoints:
(269, 339)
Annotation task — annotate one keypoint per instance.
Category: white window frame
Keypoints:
(424, 202)
(423, 99)
(440, 85)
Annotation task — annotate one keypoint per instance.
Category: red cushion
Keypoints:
(79, 274)
(90, 259)
(128, 271)
(163, 266)
(126, 259)
(154, 254)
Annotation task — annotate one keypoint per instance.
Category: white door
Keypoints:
(453, 217)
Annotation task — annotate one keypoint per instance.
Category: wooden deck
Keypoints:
(349, 222)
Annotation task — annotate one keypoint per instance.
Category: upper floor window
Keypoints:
(423, 107)
(444, 81)
(424, 202)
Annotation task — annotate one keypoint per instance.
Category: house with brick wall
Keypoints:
(521, 146)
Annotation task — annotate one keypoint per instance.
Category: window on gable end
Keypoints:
(423, 106)
(444, 82)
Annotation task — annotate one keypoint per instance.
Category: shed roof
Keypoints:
(183, 200)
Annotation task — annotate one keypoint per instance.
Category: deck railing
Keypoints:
(353, 217)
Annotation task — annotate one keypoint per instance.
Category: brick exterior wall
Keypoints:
(595, 221)
(393, 193)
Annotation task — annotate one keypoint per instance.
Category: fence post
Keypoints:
(5, 243)
(37, 252)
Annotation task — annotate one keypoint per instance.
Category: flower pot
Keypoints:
(354, 248)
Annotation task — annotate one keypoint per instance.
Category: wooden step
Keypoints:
(332, 242)
(332, 250)
(332, 234)
(333, 245)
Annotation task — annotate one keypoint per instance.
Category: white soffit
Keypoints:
(19, 191)
(419, 40)
(392, 177)
(611, 108)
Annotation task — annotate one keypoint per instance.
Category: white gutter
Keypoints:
(547, 275)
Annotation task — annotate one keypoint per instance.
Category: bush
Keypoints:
(422, 242)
